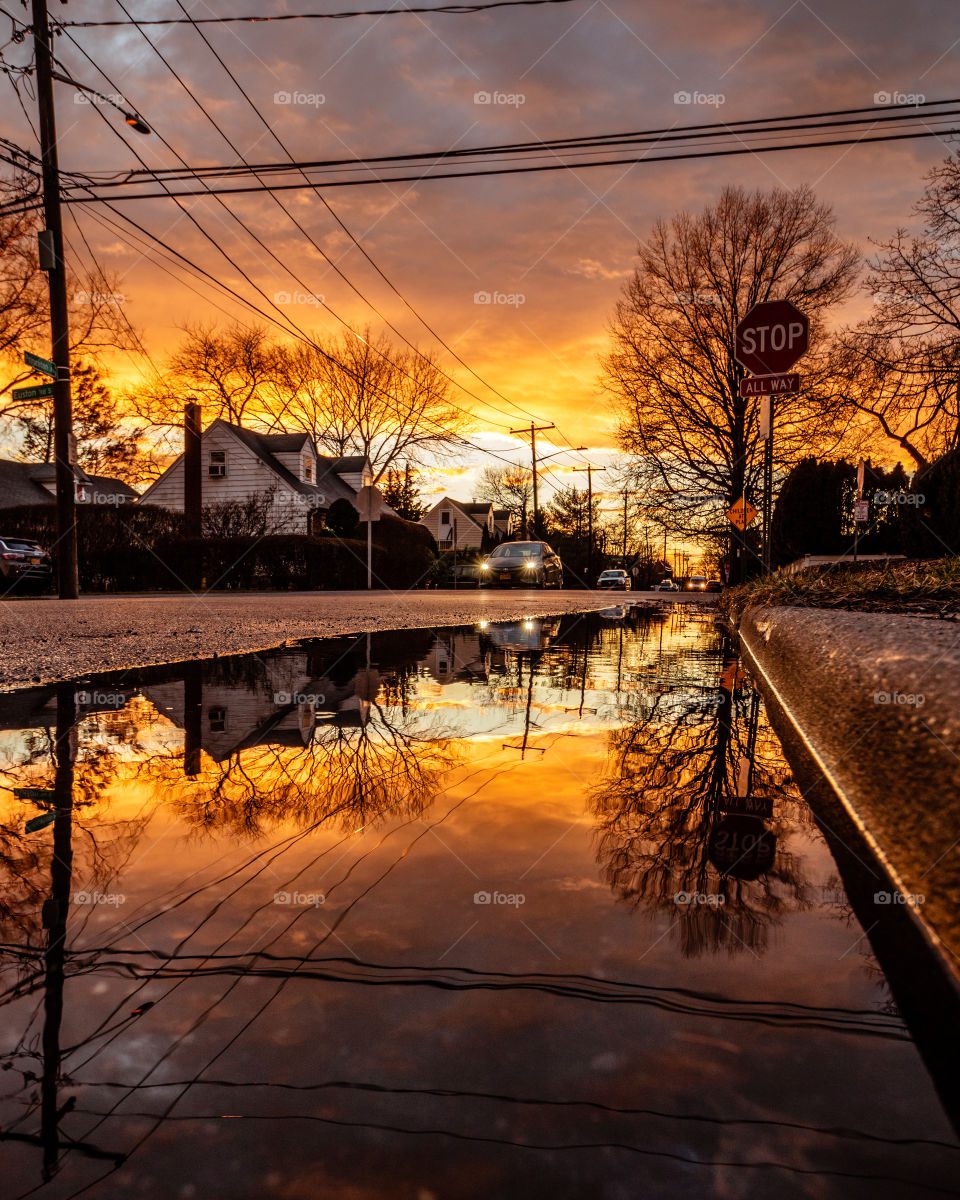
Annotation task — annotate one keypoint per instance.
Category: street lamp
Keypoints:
(134, 120)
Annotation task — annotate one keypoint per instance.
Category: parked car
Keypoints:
(24, 566)
(523, 564)
(666, 585)
(614, 579)
(714, 585)
(697, 583)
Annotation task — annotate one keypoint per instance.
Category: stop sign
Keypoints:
(771, 337)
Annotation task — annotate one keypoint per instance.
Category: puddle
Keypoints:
(518, 910)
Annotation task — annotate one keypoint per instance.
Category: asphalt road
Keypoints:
(46, 640)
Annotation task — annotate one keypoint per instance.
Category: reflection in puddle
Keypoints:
(504, 911)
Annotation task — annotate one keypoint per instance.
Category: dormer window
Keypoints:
(308, 469)
(218, 464)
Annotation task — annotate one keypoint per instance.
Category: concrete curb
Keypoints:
(874, 701)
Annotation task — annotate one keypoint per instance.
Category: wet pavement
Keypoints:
(517, 909)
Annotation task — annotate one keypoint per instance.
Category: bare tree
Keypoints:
(364, 395)
(95, 304)
(901, 366)
(236, 374)
(672, 370)
(508, 487)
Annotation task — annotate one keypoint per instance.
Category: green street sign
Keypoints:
(37, 795)
(42, 391)
(43, 365)
(36, 823)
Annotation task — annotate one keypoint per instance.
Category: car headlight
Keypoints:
(530, 565)
(484, 566)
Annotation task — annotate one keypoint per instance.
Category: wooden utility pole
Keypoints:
(532, 434)
(51, 261)
(192, 471)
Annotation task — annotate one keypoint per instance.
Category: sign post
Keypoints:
(368, 503)
(769, 341)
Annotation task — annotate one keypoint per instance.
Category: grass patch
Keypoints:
(930, 587)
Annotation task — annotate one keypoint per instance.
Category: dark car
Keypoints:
(522, 564)
(24, 566)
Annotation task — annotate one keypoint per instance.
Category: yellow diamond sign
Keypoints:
(741, 513)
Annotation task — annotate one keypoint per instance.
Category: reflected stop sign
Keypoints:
(771, 337)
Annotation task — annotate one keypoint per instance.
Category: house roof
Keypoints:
(285, 443)
(22, 483)
(113, 487)
(350, 465)
(502, 514)
(476, 507)
(259, 443)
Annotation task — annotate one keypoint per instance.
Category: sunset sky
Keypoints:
(559, 244)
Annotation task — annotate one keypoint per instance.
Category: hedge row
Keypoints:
(143, 549)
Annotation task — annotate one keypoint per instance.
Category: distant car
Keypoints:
(666, 585)
(24, 566)
(614, 579)
(522, 564)
(697, 583)
(714, 585)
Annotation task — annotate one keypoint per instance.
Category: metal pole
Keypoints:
(454, 553)
(369, 552)
(51, 260)
(767, 492)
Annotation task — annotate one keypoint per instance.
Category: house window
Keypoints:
(445, 517)
(308, 470)
(217, 719)
(218, 464)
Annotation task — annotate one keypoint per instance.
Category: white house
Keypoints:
(239, 463)
(464, 519)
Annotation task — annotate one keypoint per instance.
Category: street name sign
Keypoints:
(41, 391)
(741, 513)
(43, 365)
(770, 385)
(772, 337)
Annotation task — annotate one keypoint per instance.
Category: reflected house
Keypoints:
(283, 704)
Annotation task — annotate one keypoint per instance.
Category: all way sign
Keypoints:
(770, 385)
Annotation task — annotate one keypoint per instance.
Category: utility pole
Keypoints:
(532, 432)
(626, 493)
(589, 468)
(51, 260)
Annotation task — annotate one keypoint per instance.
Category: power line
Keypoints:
(345, 229)
(443, 10)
